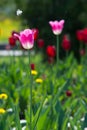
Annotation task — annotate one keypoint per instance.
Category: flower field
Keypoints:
(37, 94)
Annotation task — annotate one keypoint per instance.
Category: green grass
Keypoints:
(52, 108)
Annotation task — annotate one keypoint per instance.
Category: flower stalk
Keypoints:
(57, 49)
(30, 76)
(57, 27)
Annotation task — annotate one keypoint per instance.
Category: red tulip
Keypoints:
(82, 35)
(15, 37)
(12, 41)
(36, 33)
(79, 35)
(85, 35)
(68, 93)
(51, 51)
(32, 66)
(66, 45)
(40, 43)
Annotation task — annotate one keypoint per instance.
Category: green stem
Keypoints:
(57, 49)
(18, 125)
(81, 47)
(66, 54)
(30, 94)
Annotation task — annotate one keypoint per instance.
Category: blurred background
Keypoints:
(38, 13)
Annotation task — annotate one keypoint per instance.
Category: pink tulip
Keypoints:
(26, 38)
(57, 26)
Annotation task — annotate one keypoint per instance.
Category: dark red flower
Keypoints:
(32, 66)
(51, 51)
(85, 35)
(66, 45)
(79, 35)
(12, 41)
(40, 43)
(82, 52)
(13, 34)
(68, 93)
(36, 33)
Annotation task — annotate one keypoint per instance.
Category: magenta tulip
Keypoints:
(26, 38)
(57, 26)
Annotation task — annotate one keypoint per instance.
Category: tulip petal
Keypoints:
(57, 26)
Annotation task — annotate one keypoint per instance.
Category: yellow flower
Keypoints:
(34, 72)
(39, 80)
(3, 96)
(2, 111)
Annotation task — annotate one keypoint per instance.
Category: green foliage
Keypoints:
(52, 108)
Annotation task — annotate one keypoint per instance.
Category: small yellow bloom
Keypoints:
(2, 111)
(3, 96)
(34, 72)
(39, 80)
